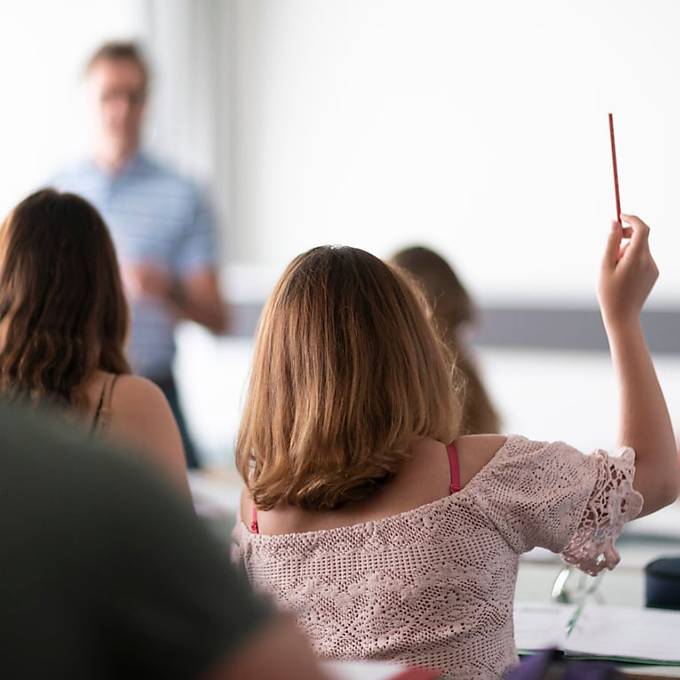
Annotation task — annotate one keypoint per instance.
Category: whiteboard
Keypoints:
(478, 128)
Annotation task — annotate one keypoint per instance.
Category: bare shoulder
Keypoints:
(141, 417)
(140, 412)
(475, 451)
(138, 396)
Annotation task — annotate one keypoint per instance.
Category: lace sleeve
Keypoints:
(551, 495)
(612, 503)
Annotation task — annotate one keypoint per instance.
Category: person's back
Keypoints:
(429, 578)
(386, 533)
(63, 326)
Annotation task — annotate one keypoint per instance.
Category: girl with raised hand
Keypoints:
(387, 534)
(63, 326)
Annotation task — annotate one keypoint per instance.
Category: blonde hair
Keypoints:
(451, 308)
(347, 373)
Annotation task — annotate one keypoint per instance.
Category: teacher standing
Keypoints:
(162, 224)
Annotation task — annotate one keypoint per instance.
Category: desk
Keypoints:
(642, 542)
(650, 672)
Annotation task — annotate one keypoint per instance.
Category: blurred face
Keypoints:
(118, 96)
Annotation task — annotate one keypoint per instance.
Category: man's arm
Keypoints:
(197, 297)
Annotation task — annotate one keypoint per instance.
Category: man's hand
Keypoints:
(147, 280)
(197, 297)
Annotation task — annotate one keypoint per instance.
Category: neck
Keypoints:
(114, 159)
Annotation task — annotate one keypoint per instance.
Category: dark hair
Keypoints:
(63, 314)
(452, 307)
(347, 373)
(120, 51)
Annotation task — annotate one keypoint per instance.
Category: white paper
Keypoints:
(651, 635)
(540, 625)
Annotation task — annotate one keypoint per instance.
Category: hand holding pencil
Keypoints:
(628, 270)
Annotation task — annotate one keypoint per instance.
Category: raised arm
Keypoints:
(628, 275)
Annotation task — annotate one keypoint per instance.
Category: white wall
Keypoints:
(43, 48)
(477, 127)
(542, 395)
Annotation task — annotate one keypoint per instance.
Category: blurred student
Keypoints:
(162, 225)
(63, 325)
(367, 515)
(107, 574)
(453, 313)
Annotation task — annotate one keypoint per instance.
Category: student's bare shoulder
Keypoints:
(484, 445)
(475, 451)
(136, 396)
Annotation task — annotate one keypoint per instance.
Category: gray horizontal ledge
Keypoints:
(532, 327)
(575, 329)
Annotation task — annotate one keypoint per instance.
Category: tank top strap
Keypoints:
(101, 413)
(98, 410)
(109, 390)
(454, 467)
(254, 527)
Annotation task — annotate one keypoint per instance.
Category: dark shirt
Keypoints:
(104, 571)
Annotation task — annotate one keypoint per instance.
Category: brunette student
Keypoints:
(452, 313)
(387, 533)
(63, 327)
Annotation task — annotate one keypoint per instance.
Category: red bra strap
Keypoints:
(455, 469)
(254, 527)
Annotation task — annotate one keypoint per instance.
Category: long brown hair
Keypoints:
(347, 374)
(452, 308)
(63, 314)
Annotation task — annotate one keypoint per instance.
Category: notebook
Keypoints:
(625, 634)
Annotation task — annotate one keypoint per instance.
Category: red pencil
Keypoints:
(616, 171)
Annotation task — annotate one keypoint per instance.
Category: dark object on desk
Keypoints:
(662, 583)
(550, 665)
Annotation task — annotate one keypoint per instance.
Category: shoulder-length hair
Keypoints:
(347, 374)
(63, 313)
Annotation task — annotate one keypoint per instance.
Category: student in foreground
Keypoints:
(63, 327)
(107, 573)
(387, 534)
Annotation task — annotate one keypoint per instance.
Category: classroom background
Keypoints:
(476, 128)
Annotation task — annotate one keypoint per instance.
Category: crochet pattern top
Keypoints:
(434, 586)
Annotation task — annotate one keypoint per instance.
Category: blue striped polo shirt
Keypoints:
(156, 216)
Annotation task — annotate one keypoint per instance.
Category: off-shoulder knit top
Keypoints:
(434, 586)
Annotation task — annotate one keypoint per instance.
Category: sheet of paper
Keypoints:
(649, 635)
(367, 670)
(540, 625)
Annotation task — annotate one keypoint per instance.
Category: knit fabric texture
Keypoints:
(433, 587)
